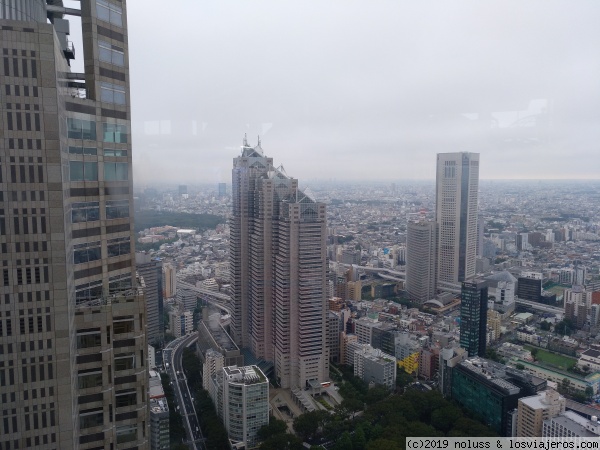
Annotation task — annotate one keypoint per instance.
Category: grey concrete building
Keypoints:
(278, 270)
(421, 260)
(73, 350)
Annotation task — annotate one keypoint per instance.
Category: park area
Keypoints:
(559, 361)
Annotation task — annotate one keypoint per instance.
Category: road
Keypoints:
(173, 354)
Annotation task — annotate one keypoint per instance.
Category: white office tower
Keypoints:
(278, 270)
(457, 184)
(245, 404)
(421, 260)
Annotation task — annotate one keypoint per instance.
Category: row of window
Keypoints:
(109, 12)
(91, 251)
(90, 211)
(88, 171)
(86, 130)
(93, 151)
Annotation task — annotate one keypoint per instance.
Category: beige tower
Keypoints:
(532, 411)
(457, 184)
(72, 317)
(421, 260)
(278, 270)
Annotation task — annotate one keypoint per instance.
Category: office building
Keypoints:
(571, 425)
(529, 286)
(534, 410)
(181, 322)
(159, 414)
(183, 191)
(243, 403)
(473, 317)
(222, 190)
(421, 260)
(169, 281)
(72, 313)
(491, 390)
(457, 184)
(577, 305)
(150, 271)
(278, 270)
(374, 366)
(450, 357)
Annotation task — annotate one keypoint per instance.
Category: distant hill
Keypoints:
(149, 219)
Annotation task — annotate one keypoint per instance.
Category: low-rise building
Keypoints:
(570, 425)
(533, 410)
(159, 414)
(374, 366)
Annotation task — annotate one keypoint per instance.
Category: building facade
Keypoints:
(150, 271)
(278, 270)
(72, 311)
(457, 184)
(421, 260)
(473, 318)
(534, 410)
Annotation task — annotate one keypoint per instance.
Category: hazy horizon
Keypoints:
(354, 89)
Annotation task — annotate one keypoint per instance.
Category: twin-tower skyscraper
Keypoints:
(278, 270)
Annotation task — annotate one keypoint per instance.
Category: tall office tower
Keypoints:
(222, 190)
(278, 270)
(473, 317)
(150, 270)
(457, 183)
(73, 349)
(421, 260)
(169, 281)
(480, 235)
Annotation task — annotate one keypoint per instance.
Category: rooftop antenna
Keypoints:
(258, 140)
(245, 140)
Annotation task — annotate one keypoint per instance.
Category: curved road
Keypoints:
(172, 354)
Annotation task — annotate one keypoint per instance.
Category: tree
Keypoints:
(384, 444)
(534, 352)
(282, 441)
(359, 440)
(545, 325)
(308, 423)
(275, 426)
(589, 392)
(344, 442)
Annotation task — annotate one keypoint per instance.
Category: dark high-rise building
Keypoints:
(73, 350)
(529, 288)
(222, 190)
(421, 260)
(183, 190)
(278, 270)
(150, 271)
(473, 317)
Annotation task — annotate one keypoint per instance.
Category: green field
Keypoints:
(553, 359)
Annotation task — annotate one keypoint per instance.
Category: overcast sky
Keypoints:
(348, 90)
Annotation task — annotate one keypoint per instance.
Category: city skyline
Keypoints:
(374, 90)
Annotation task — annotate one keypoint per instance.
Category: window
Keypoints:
(111, 53)
(108, 12)
(112, 93)
(81, 129)
(91, 418)
(88, 252)
(114, 133)
(88, 291)
(124, 362)
(83, 171)
(126, 433)
(113, 152)
(89, 339)
(117, 209)
(82, 150)
(89, 380)
(124, 326)
(85, 212)
(118, 247)
(119, 282)
(125, 398)
(116, 171)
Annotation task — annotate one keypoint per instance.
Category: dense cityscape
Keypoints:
(269, 311)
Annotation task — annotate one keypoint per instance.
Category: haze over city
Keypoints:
(365, 90)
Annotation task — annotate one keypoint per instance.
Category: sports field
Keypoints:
(553, 359)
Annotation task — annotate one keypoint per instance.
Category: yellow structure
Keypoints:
(410, 364)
